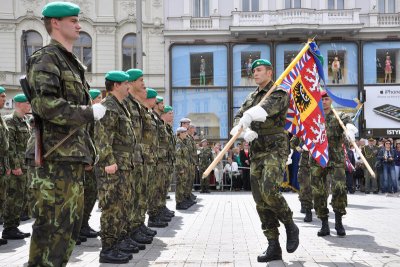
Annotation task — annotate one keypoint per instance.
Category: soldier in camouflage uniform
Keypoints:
(4, 166)
(370, 153)
(268, 156)
(90, 184)
(61, 100)
(193, 165)
(305, 194)
(115, 141)
(185, 122)
(17, 186)
(139, 232)
(182, 161)
(168, 117)
(205, 159)
(335, 168)
(162, 162)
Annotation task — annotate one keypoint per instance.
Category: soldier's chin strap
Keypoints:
(51, 150)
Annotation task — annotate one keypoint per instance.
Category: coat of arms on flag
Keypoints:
(305, 117)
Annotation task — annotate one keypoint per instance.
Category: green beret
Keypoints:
(159, 99)
(168, 109)
(151, 93)
(117, 76)
(134, 74)
(94, 93)
(2, 90)
(260, 62)
(60, 10)
(20, 98)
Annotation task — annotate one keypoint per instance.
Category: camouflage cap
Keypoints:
(20, 98)
(117, 76)
(159, 99)
(2, 90)
(181, 130)
(151, 93)
(371, 139)
(134, 74)
(204, 140)
(260, 62)
(60, 10)
(94, 93)
(168, 109)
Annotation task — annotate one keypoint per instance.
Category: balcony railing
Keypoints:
(388, 20)
(201, 23)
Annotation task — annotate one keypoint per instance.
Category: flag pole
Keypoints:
(277, 83)
(354, 144)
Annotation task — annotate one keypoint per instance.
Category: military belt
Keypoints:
(270, 131)
(122, 148)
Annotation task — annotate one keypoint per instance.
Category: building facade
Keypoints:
(107, 40)
(210, 45)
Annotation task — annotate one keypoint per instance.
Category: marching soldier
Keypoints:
(205, 159)
(16, 197)
(61, 100)
(115, 141)
(4, 166)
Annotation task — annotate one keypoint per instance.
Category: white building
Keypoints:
(222, 37)
(107, 42)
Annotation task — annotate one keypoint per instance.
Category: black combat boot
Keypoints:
(82, 238)
(292, 236)
(193, 196)
(14, 233)
(127, 247)
(3, 241)
(325, 228)
(88, 232)
(338, 225)
(139, 237)
(308, 217)
(136, 244)
(181, 206)
(273, 252)
(155, 222)
(113, 255)
(147, 230)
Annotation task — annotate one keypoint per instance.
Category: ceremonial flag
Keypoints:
(305, 117)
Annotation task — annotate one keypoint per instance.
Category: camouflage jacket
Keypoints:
(336, 138)
(19, 133)
(3, 147)
(192, 149)
(135, 112)
(162, 153)
(61, 98)
(205, 158)
(305, 155)
(114, 135)
(150, 138)
(171, 143)
(370, 154)
(271, 131)
(182, 156)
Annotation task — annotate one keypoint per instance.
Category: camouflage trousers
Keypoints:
(371, 183)
(190, 180)
(90, 195)
(181, 178)
(15, 199)
(156, 188)
(266, 175)
(204, 183)
(57, 193)
(305, 193)
(162, 202)
(320, 189)
(140, 182)
(2, 193)
(114, 195)
(148, 174)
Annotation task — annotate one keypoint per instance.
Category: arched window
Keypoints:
(31, 41)
(83, 50)
(129, 51)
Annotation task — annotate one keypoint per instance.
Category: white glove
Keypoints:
(351, 132)
(289, 160)
(250, 135)
(235, 130)
(98, 111)
(256, 113)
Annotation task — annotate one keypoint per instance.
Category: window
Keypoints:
(31, 41)
(292, 3)
(83, 50)
(335, 4)
(250, 5)
(129, 51)
(386, 6)
(201, 8)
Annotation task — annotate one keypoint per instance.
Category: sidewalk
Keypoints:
(223, 229)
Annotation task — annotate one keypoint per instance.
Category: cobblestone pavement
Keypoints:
(223, 229)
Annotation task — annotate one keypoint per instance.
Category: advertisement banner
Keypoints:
(382, 110)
